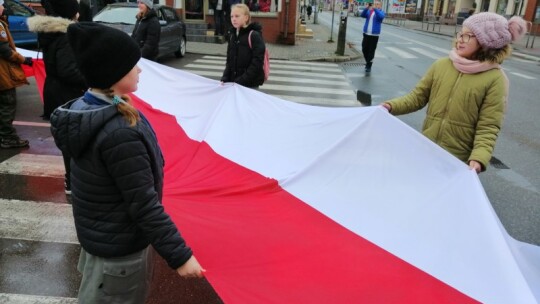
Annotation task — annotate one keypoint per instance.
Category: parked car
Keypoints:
(34, 5)
(17, 14)
(173, 30)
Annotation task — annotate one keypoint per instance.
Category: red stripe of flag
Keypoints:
(260, 244)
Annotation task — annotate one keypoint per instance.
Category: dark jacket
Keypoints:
(116, 182)
(64, 81)
(147, 33)
(244, 64)
(11, 72)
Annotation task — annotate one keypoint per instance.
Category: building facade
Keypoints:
(450, 10)
(277, 17)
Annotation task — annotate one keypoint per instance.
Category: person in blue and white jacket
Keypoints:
(372, 29)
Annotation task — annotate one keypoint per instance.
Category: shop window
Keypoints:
(501, 7)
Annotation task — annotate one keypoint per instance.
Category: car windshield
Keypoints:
(17, 9)
(125, 15)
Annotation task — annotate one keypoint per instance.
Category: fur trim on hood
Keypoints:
(48, 24)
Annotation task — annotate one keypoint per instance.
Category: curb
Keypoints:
(339, 58)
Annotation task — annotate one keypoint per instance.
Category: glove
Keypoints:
(28, 61)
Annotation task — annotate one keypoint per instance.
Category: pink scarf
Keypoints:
(467, 66)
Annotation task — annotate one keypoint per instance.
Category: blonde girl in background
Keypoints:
(245, 60)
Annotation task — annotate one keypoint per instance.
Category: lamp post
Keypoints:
(315, 4)
(332, 27)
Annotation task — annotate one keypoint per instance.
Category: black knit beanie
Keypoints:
(64, 8)
(104, 54)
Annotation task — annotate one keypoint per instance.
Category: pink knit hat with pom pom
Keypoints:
(493, 31)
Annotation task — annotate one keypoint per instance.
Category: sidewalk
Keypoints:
(306, 49)
(319, 49)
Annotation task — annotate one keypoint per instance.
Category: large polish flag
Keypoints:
(290, 203)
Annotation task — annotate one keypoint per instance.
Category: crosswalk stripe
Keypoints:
(311, 81)
(315, 83)
(307, 74)
(426, 53)
(288, 66)
(400, 53)
(204, 66)
(209, 74)
(303, 63)
(327, 102)
(54, 222)
(275, 87)
(335, 80)
(306, 63)
(33, 165)
(519, 59)
(221, 66)
(202, 69)
(278, 64)
(420, 43)
(30, 299)
(522, 75)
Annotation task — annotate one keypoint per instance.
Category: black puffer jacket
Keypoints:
(64, 82)
(116, 182)
(147, 32)
(244, 64)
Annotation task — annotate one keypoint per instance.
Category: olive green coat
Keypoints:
(465, 111)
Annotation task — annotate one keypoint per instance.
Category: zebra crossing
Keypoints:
(38, 243)
(408, 51)
(314, 83)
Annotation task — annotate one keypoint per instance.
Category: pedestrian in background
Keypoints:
(117, 174)
(227, 4)
(309, 10)
(147, 30)
(11, 77)
(372, 29)
(217, 7)
(245, 51)
(63, 81)
(466, 93)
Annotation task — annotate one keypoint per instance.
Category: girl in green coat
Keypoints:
(466, 92)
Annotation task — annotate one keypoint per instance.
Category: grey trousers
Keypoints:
(115, 280)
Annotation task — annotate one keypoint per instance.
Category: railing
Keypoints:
(459, 24)
(431, 20)
(532, 30)
(398, 19)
